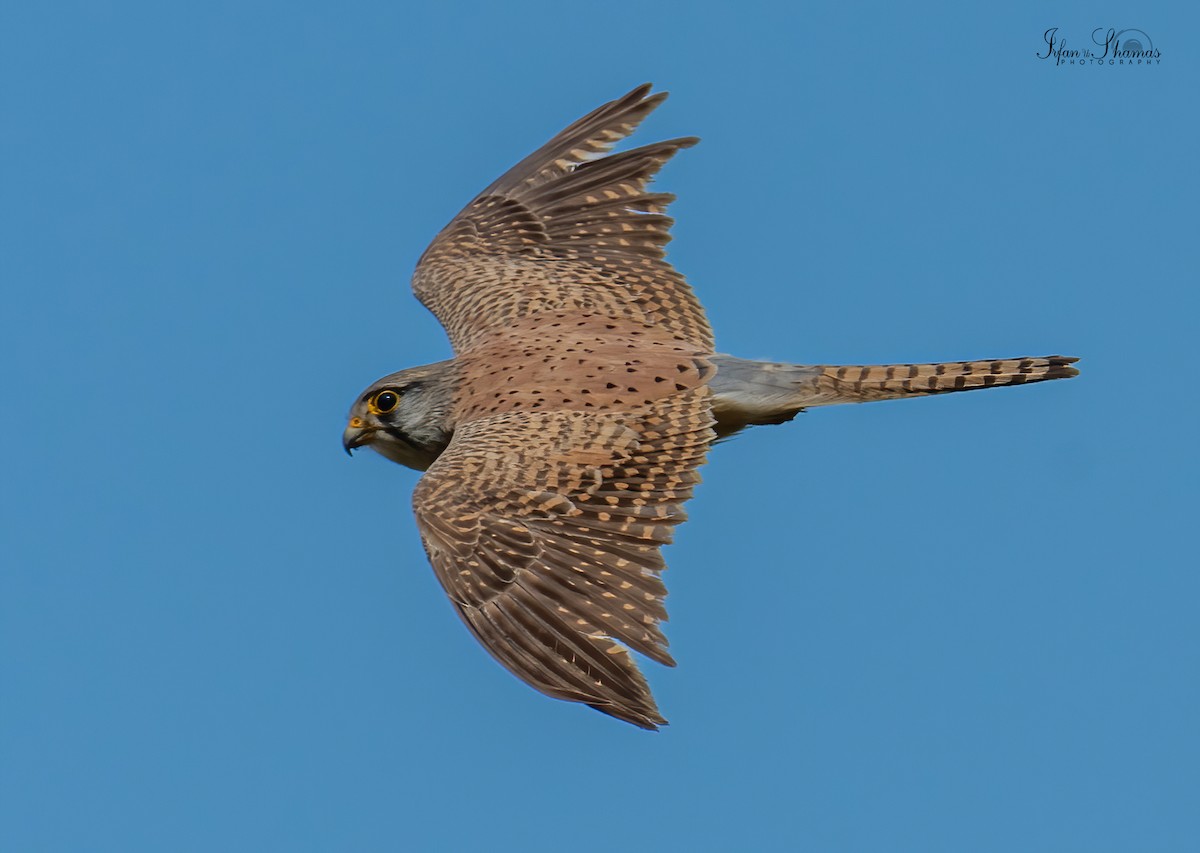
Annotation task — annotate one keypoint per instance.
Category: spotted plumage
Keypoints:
(563, 439)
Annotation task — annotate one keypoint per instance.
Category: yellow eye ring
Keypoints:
(384, 402)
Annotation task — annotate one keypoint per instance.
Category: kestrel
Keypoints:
(562, 440)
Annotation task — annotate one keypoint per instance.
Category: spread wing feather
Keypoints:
(567, 228)
(558, 583)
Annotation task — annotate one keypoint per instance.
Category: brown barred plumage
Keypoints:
(564, 438)
(764, 392)
(564, 231)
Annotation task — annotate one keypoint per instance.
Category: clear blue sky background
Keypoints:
(964, 623)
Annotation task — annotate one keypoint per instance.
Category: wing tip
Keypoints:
(644, 718)
(641, 100)
(644, 92)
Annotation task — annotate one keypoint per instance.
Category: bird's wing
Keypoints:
(544, 528)
(566, 229)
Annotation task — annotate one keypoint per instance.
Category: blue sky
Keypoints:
(963, 623)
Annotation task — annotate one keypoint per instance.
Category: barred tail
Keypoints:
(889, 381)
(759, 392)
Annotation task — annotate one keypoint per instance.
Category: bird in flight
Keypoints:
(561, 442)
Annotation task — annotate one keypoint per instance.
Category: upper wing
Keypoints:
(544, 529)
(565, 229)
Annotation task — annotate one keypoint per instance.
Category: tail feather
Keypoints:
(758, 392)
(842, 384)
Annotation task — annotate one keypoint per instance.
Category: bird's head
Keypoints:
(404, 416)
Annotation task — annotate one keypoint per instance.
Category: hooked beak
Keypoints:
(356, 435)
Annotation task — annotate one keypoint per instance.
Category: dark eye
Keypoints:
(385, 401)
